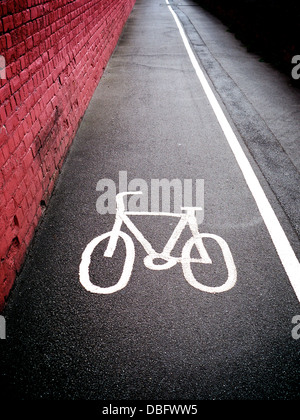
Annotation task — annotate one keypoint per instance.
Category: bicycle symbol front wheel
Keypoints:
(230, 265)
(84, 274)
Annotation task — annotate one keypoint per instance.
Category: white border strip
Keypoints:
(280, 241)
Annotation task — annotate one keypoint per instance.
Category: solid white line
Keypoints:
(280, 241)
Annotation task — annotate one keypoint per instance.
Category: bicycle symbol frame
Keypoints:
(186, 218)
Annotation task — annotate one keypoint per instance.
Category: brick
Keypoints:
(8, 23)
(11, 123)
(26, 16)
(18, 20)
(28, 139)
(4, 92)
(10, 187)
(8, 41)
(15, 84)
(2, 115)
(8, 109)
(29, 42)
(22, 112)
(3, 136)
(34, 13)
(27, 160)
(21, 48)
(24, 76)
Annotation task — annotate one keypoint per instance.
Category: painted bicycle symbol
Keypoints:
(188, 217)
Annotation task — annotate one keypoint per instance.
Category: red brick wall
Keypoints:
(55, 53)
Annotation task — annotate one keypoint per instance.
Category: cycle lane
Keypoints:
(159, 337)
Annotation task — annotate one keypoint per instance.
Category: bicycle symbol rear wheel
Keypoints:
(230, 265)
(84, 274)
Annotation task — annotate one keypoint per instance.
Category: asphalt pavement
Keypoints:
(160, 337)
